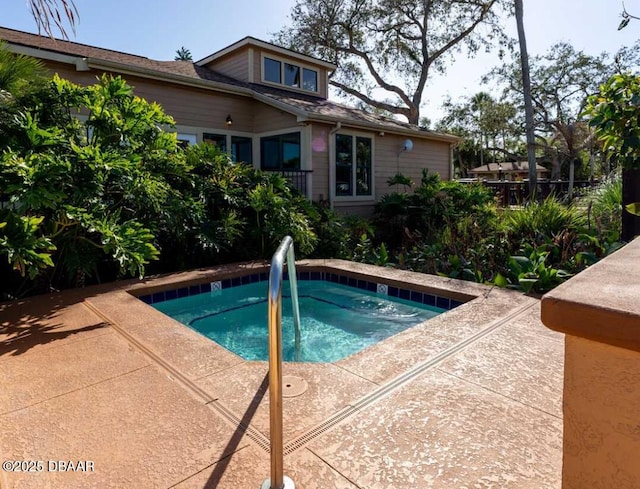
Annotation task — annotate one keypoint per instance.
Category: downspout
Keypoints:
(451, 165)
(332, 163)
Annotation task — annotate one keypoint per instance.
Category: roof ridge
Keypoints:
(55, 40)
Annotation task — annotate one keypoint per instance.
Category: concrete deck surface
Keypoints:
(471, 399)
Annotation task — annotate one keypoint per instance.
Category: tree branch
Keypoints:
(439, 52)
(368, 100)
(374, 72)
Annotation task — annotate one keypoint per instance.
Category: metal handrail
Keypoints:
(274, 299)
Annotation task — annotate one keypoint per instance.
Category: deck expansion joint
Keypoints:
(256, 436)
(398, 382)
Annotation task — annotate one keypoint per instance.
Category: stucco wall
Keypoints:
(601, 416)
(599, 312)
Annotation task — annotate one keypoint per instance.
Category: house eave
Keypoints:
(383, 128)
(85, 64)
(78, 61)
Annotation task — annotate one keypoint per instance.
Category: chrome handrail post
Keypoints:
(293, 282)
(274, 315)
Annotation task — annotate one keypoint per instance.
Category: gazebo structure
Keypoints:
(511, 170)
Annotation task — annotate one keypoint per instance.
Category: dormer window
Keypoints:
(272, 70)
(289, 74)
(310, 80)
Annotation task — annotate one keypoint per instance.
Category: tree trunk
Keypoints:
(572, 172)
(630, 194)
(556, 169)
(528, 105)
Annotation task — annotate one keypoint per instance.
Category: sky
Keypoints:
(158, 28)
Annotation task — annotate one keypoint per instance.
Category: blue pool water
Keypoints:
(337, 320)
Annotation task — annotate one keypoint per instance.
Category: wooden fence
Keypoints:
(517, 193)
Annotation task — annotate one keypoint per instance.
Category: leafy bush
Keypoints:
(96, 189)
(605, 203)
(102, 198)
(540, 221)
(531, 271)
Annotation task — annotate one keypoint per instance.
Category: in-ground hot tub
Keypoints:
(340, 315)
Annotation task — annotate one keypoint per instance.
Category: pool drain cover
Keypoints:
(293, 386)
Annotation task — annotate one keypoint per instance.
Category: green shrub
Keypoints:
(105, 197)
(531, 271)
(538, 222)
(606, 207)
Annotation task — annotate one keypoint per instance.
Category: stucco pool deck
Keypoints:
(469, 399)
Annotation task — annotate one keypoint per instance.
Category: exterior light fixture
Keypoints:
(407, 146)
(229, 120)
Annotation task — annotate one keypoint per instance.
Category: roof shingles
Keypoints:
(312, 106)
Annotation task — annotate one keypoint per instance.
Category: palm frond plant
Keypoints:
(50, 13)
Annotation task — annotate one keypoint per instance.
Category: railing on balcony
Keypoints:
(297, 178)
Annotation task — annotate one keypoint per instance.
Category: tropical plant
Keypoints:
(27, 251)
(531, 272)
(561, 80)
(485, 125)
(96, 188)
(604, 204)
(47, 13)
(366, 252)
(614, 113)
(538, 222)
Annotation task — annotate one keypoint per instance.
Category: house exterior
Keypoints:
(266, 106)
(510, 170)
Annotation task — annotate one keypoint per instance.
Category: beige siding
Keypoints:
(235, 65)
(197, 107)
(433, 155)
(69, 72)
(268, 119)
(257, 66)
(189, 106)
(206, 109)
(323, 88)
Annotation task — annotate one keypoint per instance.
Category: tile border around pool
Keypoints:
(406, 294)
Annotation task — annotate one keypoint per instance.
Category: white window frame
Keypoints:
(301, 67)
(353, 197)
(199, 132)
(189, 137)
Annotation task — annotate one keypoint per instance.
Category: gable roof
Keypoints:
(252, 41)
(305, 107)
(507, 167)
(322, 110)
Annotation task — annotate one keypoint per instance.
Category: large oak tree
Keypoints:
(386, 50)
